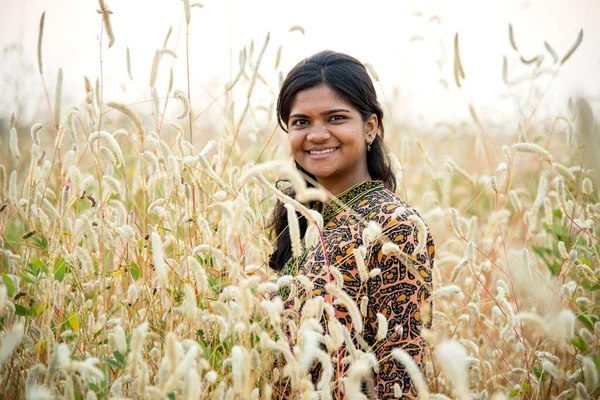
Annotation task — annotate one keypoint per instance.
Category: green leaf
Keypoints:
(26, 277)
(579, 343)
(171, 396)
(10, 285)
(69, 335)
(105, 381)
(60, 269)
(20, 310)
(543, 253)
(41, 243)
(513, 393)
(134, 271)
(215, 284)
(35, 266)
(120, 358)
(585, 261)
(112, 363)
(94, 387)
(36, 262)
(588, 320)
(218, 359)
(39, 309)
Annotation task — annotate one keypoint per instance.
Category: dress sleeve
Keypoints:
(399, 291)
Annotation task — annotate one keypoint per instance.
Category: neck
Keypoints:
(337, 186)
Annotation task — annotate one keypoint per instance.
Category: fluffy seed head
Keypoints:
(455, 223)
(587, 187)
(191, 308)
(590, 374)
(452, 357)
(132, 116)
(186, 106)
(294, 230)
(582, 391)
(494, 183)
(58, 98)
(458, 269)
(360, 265)
(34, 133)
(421, 232)
(10, 342)
(106, 13)
(551, 369)
(14, 144)
(533, 148)
(560, 191)
(514, 200)
(382, 327)
(186, 9)
(346, 300)
(159, 261)
(414, 371)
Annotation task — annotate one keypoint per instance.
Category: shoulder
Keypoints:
(401, 224)
(385, 207)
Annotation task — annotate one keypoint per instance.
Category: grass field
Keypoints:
(134, 261)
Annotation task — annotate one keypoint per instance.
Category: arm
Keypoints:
(399, 292)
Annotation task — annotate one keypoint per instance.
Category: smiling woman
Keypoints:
(329, 138)
(375, 243)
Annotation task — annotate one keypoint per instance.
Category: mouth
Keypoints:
(322, 152)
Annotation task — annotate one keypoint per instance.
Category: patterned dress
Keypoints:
(398, 291)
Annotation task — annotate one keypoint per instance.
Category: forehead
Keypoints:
(317, 98)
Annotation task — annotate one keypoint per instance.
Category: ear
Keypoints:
(371, 127)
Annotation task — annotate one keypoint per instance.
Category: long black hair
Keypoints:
(348, 77)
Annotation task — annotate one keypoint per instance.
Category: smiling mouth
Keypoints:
(325, 151)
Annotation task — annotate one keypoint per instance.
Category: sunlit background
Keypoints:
(410, 45)
(120, 239)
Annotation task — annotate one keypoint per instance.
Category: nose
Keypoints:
(318, 133)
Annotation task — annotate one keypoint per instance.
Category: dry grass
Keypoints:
(134, 266)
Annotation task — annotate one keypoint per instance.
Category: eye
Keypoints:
(337, 118)
(299, 122)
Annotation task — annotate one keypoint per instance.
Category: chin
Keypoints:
(320, 175)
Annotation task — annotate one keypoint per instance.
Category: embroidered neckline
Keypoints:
(329, 210)
(334, 206)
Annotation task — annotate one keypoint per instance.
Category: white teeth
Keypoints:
(323, 151)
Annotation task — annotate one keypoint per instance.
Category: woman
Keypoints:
(329, 108)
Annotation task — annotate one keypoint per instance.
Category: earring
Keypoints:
(368, 147)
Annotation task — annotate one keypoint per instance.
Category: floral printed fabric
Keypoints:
(398, 292)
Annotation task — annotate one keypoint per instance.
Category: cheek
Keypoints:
(295, 142)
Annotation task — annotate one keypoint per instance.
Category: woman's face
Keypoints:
(328, 138)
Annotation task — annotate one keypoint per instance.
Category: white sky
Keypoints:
(377, 31)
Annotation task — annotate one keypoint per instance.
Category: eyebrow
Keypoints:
(325, 113)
